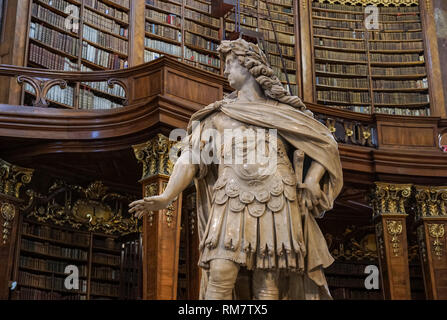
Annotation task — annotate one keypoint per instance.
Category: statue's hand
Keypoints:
(155, 203)
(311, 195)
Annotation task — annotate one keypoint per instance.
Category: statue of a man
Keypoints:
(254, 217)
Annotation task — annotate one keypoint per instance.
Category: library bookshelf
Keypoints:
(370, 69)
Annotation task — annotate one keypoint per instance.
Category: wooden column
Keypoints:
(11, 180)
(433, 64)
(306, 50)
(137, 24)
(388, 203)
(432, 225)
(161, 229)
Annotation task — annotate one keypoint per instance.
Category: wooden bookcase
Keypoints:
(98, 40)
(370, 70)
(183, 29)
(45, 250)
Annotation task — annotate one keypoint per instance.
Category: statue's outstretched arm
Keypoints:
(182, 175)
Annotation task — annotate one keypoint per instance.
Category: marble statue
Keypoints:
(258, 235)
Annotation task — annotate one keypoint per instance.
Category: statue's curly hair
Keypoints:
(251, 56)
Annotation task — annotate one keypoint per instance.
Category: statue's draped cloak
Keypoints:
(303, 132)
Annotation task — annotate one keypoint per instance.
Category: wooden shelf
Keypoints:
(151, 7)
(69, 244)
(400, 90)
(340, 49)
(63, 105)
(203, 35)
(45, 255)
(102, 93)
(203, 50)
(162, 52)
(397, 77)
(51, 8)
(398, 51)
(402, 105)
(157, 37)
(54, 50)
(338, 38)
(336, 19)
(397, 64)
(54, 290)
(113, 266)
(322, 86)
(340, 61)
(203, 23)
(340, 75)
(57, 274)
(113, 4)
(342, 103)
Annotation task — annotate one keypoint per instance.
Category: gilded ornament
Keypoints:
(7, 211)
(436, 231)
(387, 198)
(12, 178)
(431, 201)
(394, 228)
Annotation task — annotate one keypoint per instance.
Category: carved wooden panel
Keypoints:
(147, 85)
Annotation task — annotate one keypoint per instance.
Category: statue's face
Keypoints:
(236, 73)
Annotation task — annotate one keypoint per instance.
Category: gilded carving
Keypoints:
(436, 231)
(389, 198)
(431, 201)
(12, 178)
(154, 155)
(7, 211)
(385, 3)
(351, 248)
(151, 190)
(394, 228)
(91, 208)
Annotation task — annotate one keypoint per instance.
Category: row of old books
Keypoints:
(278, 17)
(281, 75)
(406, 84)
(198, 41)
(166, 6)
(157, 16)
(279, 27)
(198, 28)
(344, 96)
(330, 6)
(122, 3)
(56, 94)
(285, 8)
(345, 44)
(393, 36)
(108, 243)
(104, 23)
(48, 282)
(288, 39)
(339, 33)
(105, 289)
(54, 39)
(244, 19)
(202, 58)
(198, 5)
(276, 61)
(50, 17)
(163, 46)
(36, 294)
(399, 71)
(202, 66)
(399, 98)
(109, 259)
(360, 16)
(107, 9)
(82, 239)
(404, 111)
(413, 57)
(60, 5)
(343, 24)
(105, 40)
(345, 56)
(343, 82)
(149, 55)
(48, 265)
(202, 17)
(285, 50)
(350, 69)
(53, 250)
(88, 100)
(102, 58)
(163, 31)
(396, 45)
(105, 273)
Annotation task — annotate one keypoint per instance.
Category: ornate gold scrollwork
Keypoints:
(389, 198)
(91, 208)
(394, 228)
(431, 201)
(385, 3)
(8, 212)
(330, 124)
(154, 155)
(12, 178)
(436, 230)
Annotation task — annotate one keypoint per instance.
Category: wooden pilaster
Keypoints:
(388, 202)
(161, 229)
(432, 223)
(306, 45)
(11, 179)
